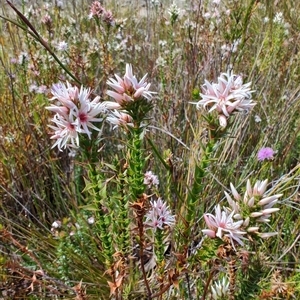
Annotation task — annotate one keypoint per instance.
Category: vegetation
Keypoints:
(187, 188)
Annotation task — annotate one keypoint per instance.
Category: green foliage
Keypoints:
(295, 281)
(136, 162)
(96, 187)
(207, 251)
(249, 281)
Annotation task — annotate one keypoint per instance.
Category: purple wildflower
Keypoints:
(265, 154)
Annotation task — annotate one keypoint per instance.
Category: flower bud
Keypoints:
(253, 229)
(222, 121)
(269, 210)
(256, 214)
(267, 200)
(262, 187)
(235, 194)
(246, 222)
(251, 201)
(267, 234)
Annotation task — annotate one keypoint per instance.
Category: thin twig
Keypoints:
(207, 284)
(164, 289)
(171, 135)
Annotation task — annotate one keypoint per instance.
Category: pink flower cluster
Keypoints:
(229, 94)
(244, 215)
(128, 88)
(75, 111)
(98, 11)
(125, 91)
(255, 207)
(222, 224)
(74, 114)
(150, 179)
(159, 215)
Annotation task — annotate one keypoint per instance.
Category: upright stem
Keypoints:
(136, 162)
(199, 175)
(141, 254)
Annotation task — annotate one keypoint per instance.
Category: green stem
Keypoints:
(103, 220)
(159, 246)
(123, 236)
(199, 175)
(136, 164)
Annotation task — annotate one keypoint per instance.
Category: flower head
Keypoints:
(64, 132)
(159, 215)
(220, 289)
(128, 88)
(229, 94)
(150, 179)
(265, 154)
(174, 12)
(74, 114)
(222, 224)
(255, 207)
(278, 18)
(98, 11)
(62, 46)
(91, 220)
(56, 224)
(119, 118)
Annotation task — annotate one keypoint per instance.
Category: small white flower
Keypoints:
(257, 119)
(278, 18)
(160, 61)
(266, 19)
(162, 43)
(62, 46)
(174, 11)
(91, 220)
(59, 4)
(56, 224)
(33, 88)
